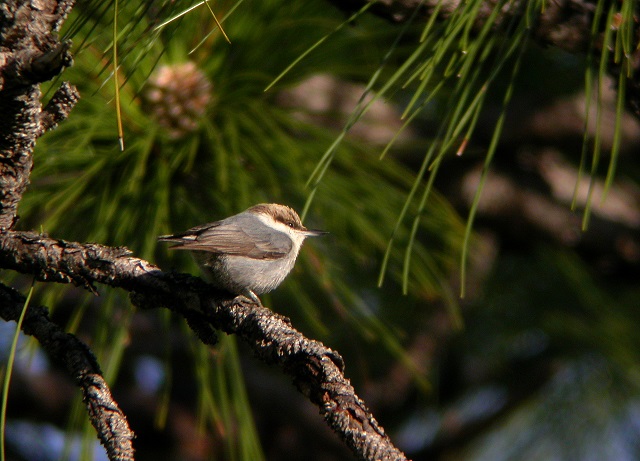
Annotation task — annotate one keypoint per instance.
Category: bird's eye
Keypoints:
(290, 224)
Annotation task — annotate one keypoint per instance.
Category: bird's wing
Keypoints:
(255, 241)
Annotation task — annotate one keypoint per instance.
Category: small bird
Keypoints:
(249, 253)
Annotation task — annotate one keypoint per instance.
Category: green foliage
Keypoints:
(245, 150)
(453, 58)
(618, 37)
(386, 220)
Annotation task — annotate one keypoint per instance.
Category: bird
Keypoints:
(249, 253)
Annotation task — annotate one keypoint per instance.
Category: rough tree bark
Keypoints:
(104, 413)
(317, 370)
(30, 53)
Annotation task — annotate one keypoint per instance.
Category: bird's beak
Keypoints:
(314, 233)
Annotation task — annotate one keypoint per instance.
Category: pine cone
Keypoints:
(177, 96)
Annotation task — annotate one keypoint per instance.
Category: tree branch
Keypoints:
(30, 54)
(34, 55)
(104, 413)
(317, 370)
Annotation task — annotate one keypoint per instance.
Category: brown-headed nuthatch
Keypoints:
(249, 253)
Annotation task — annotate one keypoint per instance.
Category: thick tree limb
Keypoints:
(316, 369)
(30, 53)
(104, 413)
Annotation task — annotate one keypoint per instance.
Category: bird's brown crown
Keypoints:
(280, 213)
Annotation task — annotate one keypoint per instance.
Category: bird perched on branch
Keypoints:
(249, 253)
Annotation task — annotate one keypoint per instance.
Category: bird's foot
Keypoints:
(249, 296)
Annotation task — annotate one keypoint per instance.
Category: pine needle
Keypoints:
(352, 18)
(179, 15)
(206, 2)
(115, 76)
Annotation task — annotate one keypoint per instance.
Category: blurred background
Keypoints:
(444, 158)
